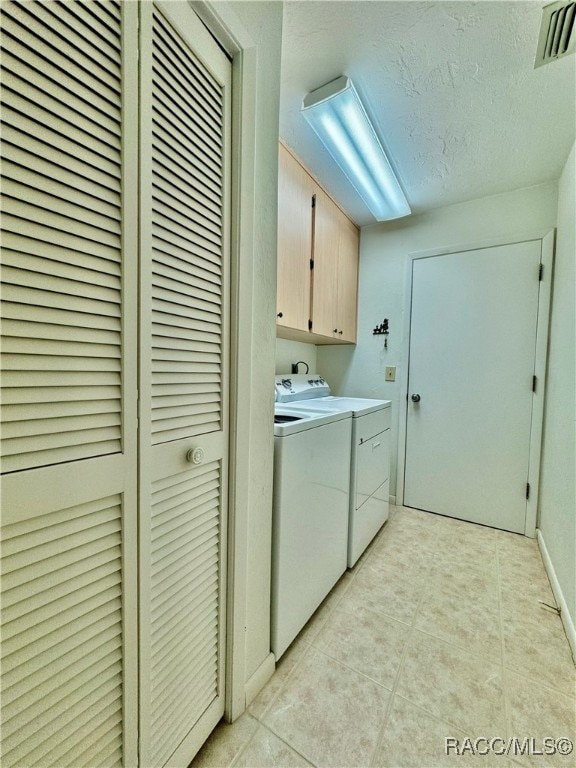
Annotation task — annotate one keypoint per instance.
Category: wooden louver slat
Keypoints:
(61, 171)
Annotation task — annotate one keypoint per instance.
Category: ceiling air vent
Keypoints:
(557, 32)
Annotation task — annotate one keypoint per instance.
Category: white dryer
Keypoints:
(370, 452)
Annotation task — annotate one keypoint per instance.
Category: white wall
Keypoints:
(557, 491)
(288, 352)
(384, 248)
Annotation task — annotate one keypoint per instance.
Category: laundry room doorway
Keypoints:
(476, 350)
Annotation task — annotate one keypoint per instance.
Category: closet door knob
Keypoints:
(195, 456)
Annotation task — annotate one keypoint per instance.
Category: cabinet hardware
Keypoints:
(541, 272)
(280, 314)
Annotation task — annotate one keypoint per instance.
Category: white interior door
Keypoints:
(69, 672)
(472, 355)
(185, 155)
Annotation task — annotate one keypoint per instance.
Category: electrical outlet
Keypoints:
(390, 373)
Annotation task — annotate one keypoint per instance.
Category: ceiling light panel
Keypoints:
(338, 117)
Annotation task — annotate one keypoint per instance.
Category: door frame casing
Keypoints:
(242, 49)
(541, 355)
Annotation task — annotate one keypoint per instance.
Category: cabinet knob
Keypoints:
(415, 398)
(335, 330)
(280, 314)
(340, 332)
(195, 456)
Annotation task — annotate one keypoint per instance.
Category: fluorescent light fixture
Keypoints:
(336, 113)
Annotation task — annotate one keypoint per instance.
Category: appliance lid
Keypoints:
(299, 386)
(289, 419)
(360, 406)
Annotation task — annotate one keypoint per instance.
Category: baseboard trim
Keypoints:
(558, 594)
(259, 679)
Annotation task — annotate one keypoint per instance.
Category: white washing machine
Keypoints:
(370, 452)
(310, 514)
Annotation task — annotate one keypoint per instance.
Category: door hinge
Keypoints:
(309, 325)
(313, 201)
(534, 382)
(311, 263)
(527, 490)
(541, 272)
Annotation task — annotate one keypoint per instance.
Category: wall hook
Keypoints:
(382, 330)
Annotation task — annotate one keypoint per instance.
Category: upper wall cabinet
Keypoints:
(295, 193)
(317, 261)
(335, 272)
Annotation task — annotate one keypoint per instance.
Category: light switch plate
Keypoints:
(390, 373)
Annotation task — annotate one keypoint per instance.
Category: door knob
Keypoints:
(415, 398)
(195, 456)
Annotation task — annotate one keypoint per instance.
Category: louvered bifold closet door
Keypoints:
(68, 447)
(183, 387)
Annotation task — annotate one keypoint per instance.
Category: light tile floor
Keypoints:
(437, 632)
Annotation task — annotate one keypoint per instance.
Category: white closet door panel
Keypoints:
(50, 114)
(167, 181)
(46, 710)
(68, 382)
(33, 158)
(184, 643)
(95, 275)
(60, 216)
(104, 51)
(182, 109)
(178, 220)
(185, 125)
(40, 228)
(63, 89)
(56, 187)
(77, 62)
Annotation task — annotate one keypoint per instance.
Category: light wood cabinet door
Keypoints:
(347, 296)
(325, 273)
(295, 190)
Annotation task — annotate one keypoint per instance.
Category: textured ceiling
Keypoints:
(451, 88)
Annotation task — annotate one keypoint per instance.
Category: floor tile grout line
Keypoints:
(280, 738)
(507, 711)
(369, 609)
(410, 634)
(432, 715)
(540, 683)
(245, 746)
(352, 669)
(303, 653)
